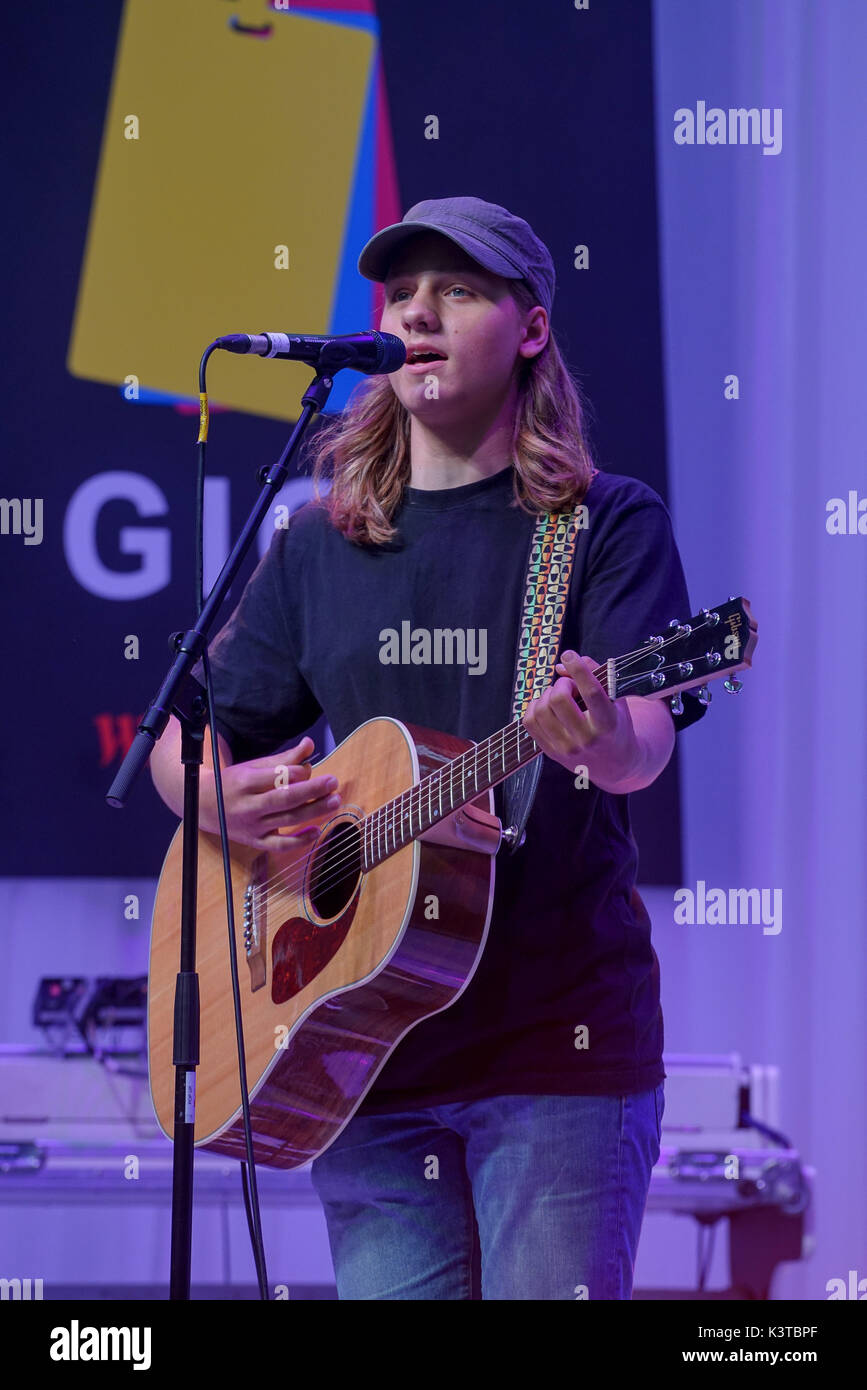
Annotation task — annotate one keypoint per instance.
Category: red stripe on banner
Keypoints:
(333, 6)
(387, 208)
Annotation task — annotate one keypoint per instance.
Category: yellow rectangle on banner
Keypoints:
(219, 149)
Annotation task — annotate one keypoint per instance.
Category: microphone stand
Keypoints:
(182, 695)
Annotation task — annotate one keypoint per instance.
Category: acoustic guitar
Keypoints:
(350, 941)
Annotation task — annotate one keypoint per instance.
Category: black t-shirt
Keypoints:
(569, 939)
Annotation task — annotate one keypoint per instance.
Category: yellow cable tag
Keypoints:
(203, 418)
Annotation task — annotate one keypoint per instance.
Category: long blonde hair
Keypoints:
(364, 452)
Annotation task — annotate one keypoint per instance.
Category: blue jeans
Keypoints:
(512, 1197)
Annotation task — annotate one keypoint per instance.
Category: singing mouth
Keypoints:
(422, 356)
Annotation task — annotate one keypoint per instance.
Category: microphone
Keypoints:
(371, 352)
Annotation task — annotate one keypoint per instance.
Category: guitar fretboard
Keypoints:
(399, 822)
(687, 656)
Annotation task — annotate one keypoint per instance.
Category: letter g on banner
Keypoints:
(150, 543)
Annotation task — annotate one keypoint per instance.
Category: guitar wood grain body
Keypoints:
(325, 998)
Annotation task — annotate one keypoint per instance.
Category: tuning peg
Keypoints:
(704, 695)
(733, 685)
(676, 704)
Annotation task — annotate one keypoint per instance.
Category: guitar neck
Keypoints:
(693, 653)
(396, 824)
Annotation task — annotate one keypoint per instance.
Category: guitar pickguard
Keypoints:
(302, 949)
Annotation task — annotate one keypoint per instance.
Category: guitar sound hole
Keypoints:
(335, 870)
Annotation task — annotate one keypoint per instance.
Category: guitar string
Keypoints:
(333, 863)
(337, 861)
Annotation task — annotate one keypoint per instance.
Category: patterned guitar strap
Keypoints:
(546, 592)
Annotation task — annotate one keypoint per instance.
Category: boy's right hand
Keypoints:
(265, 794)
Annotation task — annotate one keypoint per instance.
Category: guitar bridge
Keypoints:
(255, 924)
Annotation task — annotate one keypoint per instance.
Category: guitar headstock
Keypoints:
(716, 642)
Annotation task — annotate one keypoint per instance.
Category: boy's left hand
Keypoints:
(603, 739)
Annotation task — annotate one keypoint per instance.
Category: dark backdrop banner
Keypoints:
(151, 207)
